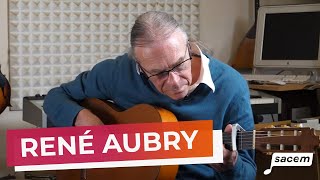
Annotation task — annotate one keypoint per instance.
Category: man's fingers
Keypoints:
(228, 128)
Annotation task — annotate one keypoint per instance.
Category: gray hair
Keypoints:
(150, 27)
(204, 47)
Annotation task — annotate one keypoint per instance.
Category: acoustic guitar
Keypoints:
(264, 140)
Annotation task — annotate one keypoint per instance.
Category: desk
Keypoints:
(286, 87)
(293, 96)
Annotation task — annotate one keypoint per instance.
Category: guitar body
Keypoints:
(110, 114)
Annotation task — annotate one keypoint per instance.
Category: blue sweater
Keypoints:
(119, 81)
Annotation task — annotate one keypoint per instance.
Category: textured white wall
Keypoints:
(51, 42)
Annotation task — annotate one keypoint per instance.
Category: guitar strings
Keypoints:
(263, 135)
(247, 132)
(245, 138)
(257, 142)
(261, 131)
(260, 136)
(248, 138)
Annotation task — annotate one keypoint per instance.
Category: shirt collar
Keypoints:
(205, 75)
(138, 69)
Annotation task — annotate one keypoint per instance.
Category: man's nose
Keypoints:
(173, 78)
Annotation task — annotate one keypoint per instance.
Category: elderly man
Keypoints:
(164, 69)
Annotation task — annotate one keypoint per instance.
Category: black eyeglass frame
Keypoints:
(172, 69)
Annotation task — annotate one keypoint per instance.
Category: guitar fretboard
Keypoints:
(244, 140)
(274, 140)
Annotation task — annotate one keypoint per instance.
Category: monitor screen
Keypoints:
(288, 36)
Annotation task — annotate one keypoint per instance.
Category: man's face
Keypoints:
(157, 59)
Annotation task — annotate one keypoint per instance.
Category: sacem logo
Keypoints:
(290, 159)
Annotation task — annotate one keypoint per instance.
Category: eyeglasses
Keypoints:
(177, 68)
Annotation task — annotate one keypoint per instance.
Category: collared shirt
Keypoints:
(205, 75)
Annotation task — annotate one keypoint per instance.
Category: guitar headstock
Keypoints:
(286, 140)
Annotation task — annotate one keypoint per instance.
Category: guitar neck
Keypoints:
(244, 140)
(273, 140)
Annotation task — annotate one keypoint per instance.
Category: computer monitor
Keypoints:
(288, 36)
